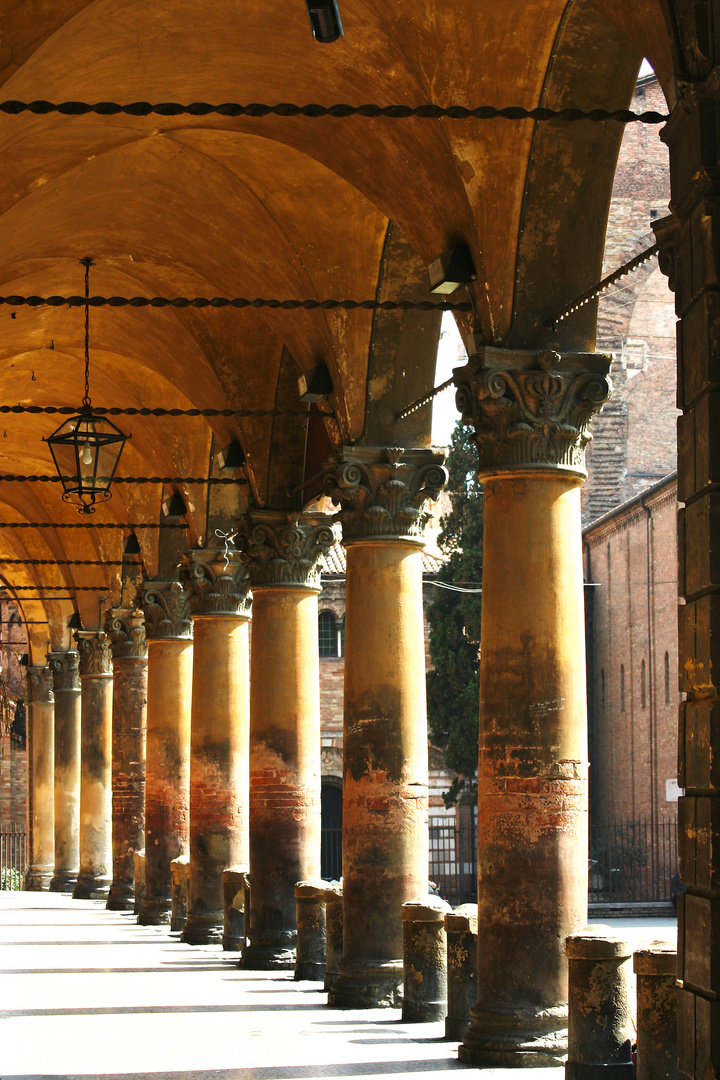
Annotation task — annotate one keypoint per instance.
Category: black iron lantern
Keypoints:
(87, 447)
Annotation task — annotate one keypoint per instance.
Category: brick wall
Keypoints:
(13, 782)
(633, 691)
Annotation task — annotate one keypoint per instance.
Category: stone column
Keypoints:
(95, 660)
(126, 631)
(385, 784)
(41, 710)
(66, 687)
(531, 414)
(167, 767)
(281, 551)
(220, 602)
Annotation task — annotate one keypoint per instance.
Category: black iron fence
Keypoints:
(632, 861)
(453, 858)
(13, 856)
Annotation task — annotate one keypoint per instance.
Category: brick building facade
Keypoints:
(13, 744)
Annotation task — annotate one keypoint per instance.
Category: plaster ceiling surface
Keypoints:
(285, 207)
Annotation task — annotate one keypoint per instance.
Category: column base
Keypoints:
(516, 1038)
(364, 985)
(121, 897)
(203, 928)
(64, 881)
(270, 953)
(155, 912)
(37, 878)
(614, 1071)
(89, 887)
(231, 943)
(309, 971)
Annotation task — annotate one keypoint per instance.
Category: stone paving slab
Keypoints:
(85, 994)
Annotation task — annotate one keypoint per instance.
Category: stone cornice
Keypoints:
(39, 685)
(531, 411)
(383, 491)
(166, 606)
(125, 628)
(65, 670)
(283, 548)
(218, 583)
(94, 652)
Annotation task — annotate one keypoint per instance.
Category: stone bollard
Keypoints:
(600, 1028)
(657, 1043)
(234, 908)
(179, 874)
(310, 906)
(333, 933)
(425, 959)
(139, 879)
(462, 989)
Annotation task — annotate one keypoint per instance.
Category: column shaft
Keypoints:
(385, 784)
(167, 777)
(218, 768)
(128, 776)
(284, 767)
(95, 872)
(66, 683)
(41, 710)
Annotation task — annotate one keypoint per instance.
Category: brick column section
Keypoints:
(531, 413)
(66, 687)
(168, 628)
(383, 494)
(126, 631)
(220, 603)
(41, 710)
(95, 659)
(690, 257)
(281, 551)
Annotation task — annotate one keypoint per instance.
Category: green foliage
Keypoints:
(10, 878)
(453, 685)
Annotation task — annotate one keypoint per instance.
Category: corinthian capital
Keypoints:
(383, 492)
(284, 548)
(94, 652)
(532, 410)
(166, 606)
(217, 582)
(65, 671)
(39, 683)
(125, 628)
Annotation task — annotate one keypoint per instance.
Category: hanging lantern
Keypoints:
(86, 448)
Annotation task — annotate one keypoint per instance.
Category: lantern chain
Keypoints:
(87, 263)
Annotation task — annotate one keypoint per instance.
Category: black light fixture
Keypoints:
(325, 21)
(132, 547)
(174, 508)
(231, 458)
(74, 622)
(315, 385)
(452, 270)
(86, 449)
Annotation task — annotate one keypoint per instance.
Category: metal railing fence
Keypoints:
(453, 859)
(632, 861)
(13, 855)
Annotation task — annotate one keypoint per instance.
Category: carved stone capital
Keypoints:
(125, 628)
(65, 670)
(284, 548)
(217, 582)
(667, 234)
(383, 491)
(39, 683)
(531, 411)
(166, 606)
(94, 652)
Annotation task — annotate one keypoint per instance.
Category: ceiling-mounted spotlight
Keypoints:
(231, 458)
(452, 270)
(315, 385)
(174, 508)
(325, 21)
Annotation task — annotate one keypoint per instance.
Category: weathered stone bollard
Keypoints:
(234, 878)
(139, 879)
(333, 933)
(599, 1022)
(310, 906)
(461, 930)
(424, 959)
(179, 874)
(657, 1043)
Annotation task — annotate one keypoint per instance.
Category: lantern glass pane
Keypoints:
(86, 450)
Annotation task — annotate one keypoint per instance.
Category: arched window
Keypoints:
(642, 684)
(341, 639)
(667, 679)
(327, 634)
(622, 688)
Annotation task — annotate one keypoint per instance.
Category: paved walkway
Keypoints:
(86, 993)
